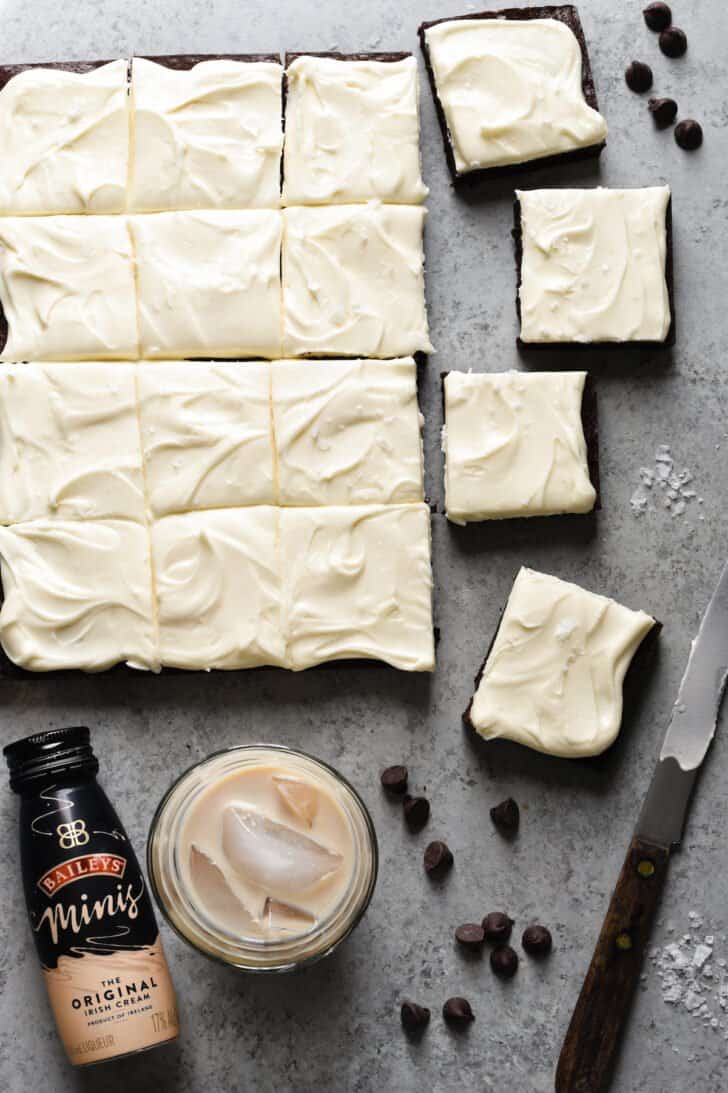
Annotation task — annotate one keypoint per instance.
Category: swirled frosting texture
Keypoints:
(511, 90)
(553, 678)
(64, 141)
(357, 583)
(593, 266)
(352, 132)
(77, 594)
(206, 435)
(514, 445)
(69, 443)
(219, 589)
(353, 281)
(347, 432)
(209, 283)
(67, 288)
(206, 137)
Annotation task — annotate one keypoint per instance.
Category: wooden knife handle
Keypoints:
(589, 1050)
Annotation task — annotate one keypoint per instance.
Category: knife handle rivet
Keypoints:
(624, 942)
(646, 868)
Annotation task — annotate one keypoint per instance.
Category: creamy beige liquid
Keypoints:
(265, 853)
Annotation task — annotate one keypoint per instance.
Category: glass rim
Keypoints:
(237, 961)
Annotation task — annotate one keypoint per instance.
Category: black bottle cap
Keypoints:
(56, 752)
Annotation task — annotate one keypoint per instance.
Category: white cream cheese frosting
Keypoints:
(64, 141)
(207, 137)
(357, 583)
(514, 445)
(69, 442)
(209, 283)
(553, 678)
(218, 584)
(347, 432)
(511, 90)
(353, 282)
(352, 132)
(206, 434)
(67, 288)
(77, 594)
(593, 265)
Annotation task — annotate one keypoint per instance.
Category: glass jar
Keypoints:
(189, 920)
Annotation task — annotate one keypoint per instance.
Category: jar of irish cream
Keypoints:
(263, 857)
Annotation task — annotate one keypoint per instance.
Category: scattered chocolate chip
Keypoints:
(471, 936)
(664, 111)
(504, 961)
(689, 134)
(506, 816)
(416, 812)
(394, 779)
(657, 16)
(414, 1018)
(458, 1011)
(638, 76)
(497, 927)
(537, 941)
(673, 41)
(438, 858)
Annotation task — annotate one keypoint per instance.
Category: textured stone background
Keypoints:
(336, 1027)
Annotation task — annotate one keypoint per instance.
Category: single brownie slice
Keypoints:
(64, 138)
(594, 266)
(208, 133)
(352, 130)
(513, 89)
(515, 444)
(554, 675)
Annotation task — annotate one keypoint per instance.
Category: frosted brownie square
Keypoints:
(595, 266)
(206, 434)
(209, 283)
(67, 289)
(69, 442)
(357, 583)
(515, 445)
(218, 585)
(347, 432)
(208, 136)
(353, 282)
(513, 89)
(77, 594)
(352, 129)
(64, 138)
(554, 674)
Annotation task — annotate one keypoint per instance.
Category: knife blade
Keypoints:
(589, 1051)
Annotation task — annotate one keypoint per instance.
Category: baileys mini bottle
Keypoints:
(90, 912)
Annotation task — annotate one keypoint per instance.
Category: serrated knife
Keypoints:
(589, 1050)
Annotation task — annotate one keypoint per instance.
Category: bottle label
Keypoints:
(94, 926)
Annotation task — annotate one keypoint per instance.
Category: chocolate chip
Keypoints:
(414, 1018)
(537, 941)
(673, 41)
(504, 961)
(497, 927)
(506, 816)
(394, 779)
(458, 1011)
(689, 134)
(638, 76)
(438, 858)
(416, 812)
(657, 16)
(471, 936)
(664, 111)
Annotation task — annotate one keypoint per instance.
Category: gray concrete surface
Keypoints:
(336, 1027)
